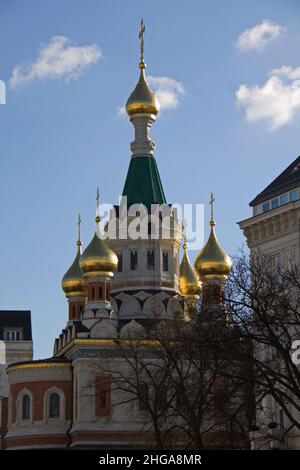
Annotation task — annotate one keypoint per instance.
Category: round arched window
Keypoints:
(54, 405)
(26, 407)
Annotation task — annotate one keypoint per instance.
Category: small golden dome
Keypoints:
(213, 263)
(188, 280)
(142, 99)
(73, 283)
(98, 259)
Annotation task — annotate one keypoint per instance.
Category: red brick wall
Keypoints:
(38, 390)
(4, 414)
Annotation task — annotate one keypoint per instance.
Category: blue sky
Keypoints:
(61, 135)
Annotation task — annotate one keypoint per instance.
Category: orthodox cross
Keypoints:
(212, 200)
(141, 38)
(97, 206)
(78, 223)
(184, 225)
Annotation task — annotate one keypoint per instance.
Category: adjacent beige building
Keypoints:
(274, 229)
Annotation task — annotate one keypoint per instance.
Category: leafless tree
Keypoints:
(183, 384)
(263, 298)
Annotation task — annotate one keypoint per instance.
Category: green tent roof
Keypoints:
(143, 183)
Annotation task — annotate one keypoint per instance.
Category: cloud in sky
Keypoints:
(168, 91)
(58, 58)
(276, 102)
(259, 37)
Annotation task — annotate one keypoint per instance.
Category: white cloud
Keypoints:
(287, 72)
(59, 58)
(259, 37)
(276, 102)
(168, 91)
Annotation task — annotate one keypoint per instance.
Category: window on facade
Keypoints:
(165, 261)
(26, 407)
(13, 334)
(275, 203)
(100, 292)
(102, 399)
(120, 262)
(161, 397)
(180, 397)
(133, 260)
(266, 206)
(143, 392)
(293, 195)
(54, 405)
(93, 292)
(281, 418)
(73, 311)
(150, 260)
(284, 199)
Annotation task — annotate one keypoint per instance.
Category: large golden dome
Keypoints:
(98, 259)
(213, 263)
(73, 283)
(142, 99)
(188, 280)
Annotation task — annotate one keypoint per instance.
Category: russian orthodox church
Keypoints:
(115, 288)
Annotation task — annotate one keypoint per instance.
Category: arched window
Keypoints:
(120, 262)
(150, 260)
(100, 292)
(73, 311)
(133, 260)
(26, 407)
(102, 398)
(54, 405)
(93, 292)
(165, 261)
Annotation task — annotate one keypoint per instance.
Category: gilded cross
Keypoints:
(97, 207)
(78, 223)
(184, 225)
(141, 38)
(212, 200)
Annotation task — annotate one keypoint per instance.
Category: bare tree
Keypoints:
(263, 297)
(183, 384)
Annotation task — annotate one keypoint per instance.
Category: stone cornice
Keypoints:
(270, 225)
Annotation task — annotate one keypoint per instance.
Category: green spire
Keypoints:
(143, 183)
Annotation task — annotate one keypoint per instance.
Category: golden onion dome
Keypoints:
(98, 259)
(73, 283)
(213, 263)
(142, 99)
(188, 280)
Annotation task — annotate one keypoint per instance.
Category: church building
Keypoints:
(115, 287)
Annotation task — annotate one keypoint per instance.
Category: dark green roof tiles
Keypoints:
(143, 183)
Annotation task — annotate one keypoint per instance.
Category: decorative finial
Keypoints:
(212, 200)
(141, 38)
(97, 206)
(79, 242)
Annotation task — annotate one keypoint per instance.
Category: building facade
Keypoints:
(15, 345)
(116, 288)
(274, 230)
